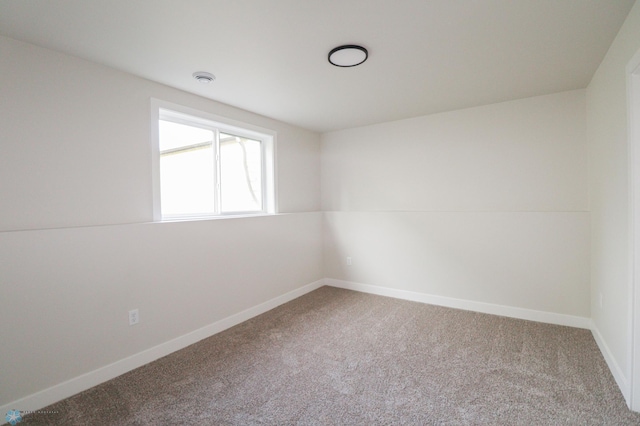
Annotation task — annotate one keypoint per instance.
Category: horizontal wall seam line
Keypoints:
(59, 228)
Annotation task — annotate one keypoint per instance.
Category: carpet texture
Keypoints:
(337, 357)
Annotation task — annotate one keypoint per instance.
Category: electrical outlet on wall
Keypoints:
(134, 317)
(349, 263)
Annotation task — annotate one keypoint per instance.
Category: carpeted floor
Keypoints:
(337, 357)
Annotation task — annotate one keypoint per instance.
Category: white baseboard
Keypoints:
(614, 367)
(78, 384)
(467, 305)
(508, 311)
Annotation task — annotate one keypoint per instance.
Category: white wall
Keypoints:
(75, 156)
(486, 204)
(56, 109)
(607, 138)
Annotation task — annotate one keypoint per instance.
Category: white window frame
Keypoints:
(190, 116)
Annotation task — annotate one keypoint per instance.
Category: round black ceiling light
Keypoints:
(348, 55)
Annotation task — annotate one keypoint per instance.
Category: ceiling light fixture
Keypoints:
(348, 55)
(204, 77)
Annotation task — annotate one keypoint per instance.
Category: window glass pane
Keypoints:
(240, 174)
(186, 169)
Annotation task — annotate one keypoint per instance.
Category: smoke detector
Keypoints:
(204, 77)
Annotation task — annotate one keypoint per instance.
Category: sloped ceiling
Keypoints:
(270, 56)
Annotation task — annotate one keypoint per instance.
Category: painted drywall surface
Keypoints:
(536, 261)
(76, 156)
(67, 292)
(608, 156)
(298, 155)
(486, 204)
(526, 155)
(56, 109)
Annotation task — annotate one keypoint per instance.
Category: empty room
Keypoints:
(320, 212)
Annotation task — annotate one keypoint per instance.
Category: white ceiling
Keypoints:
(270, 56)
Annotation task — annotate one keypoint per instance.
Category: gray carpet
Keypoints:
(337, 357)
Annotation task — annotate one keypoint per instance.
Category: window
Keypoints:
(209, 167)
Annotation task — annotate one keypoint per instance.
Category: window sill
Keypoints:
(213, 217)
